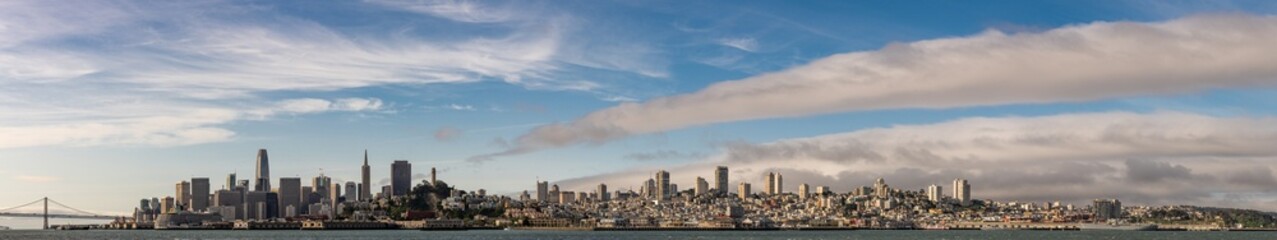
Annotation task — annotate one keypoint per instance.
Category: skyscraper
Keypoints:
(881, 189)
(962, 191)
(803, 191)
(321, 185)
(743, 191)
(230, 182)
(365, 191)
(720, 179)
(1105, 209)
(602, 192)
(400, 177)
(183, 196)
(199, 194)
(352, 191)
(774, 183)
(290, 195)
(702, 186)
(663, 184)
(543, 191)
(433, 179)
(263, 172)
(934, 193)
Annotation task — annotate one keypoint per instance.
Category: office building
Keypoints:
(352, 192)
(720, 180)
(230, 182)
(743, 191)
(543, 191)
(566, 197)
(290, 196)
(199, 194)
(322, 184)
(232, 199)
(183, 195)
(400, 177)
(261, 205)
(365, 189)
(263, 172)
(663, 185)
(602, 192)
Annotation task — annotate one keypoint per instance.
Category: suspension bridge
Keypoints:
(74, 212)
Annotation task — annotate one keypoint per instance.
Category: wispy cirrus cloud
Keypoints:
(1154, 158)
(172, 73)
(1075, 63)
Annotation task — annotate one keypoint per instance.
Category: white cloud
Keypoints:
(1158, 158)
(166, 124)
(1075, 63)
(107, 72)
(744, 44)
(455, 10)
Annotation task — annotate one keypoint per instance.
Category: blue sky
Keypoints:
(106, 102)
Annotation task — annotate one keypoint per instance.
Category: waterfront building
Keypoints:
(232, 199)
(400, 177)
(1105, 209)
(743, 190)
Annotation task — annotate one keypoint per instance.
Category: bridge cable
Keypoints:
(21, 206)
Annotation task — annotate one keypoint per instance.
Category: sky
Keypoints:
(103, 103)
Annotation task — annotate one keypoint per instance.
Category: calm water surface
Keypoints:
(497, 234)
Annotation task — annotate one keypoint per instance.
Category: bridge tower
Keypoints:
(46, 213)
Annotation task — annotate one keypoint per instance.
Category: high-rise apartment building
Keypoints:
(934, 193)
(702, 186)
(743, 191)
(543, 191)
(962, 191)
(720, 180)
(802, 191)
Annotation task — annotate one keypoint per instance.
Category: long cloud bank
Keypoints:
(1073, 63)
(1155, 158)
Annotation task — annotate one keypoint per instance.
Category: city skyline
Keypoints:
(1152, 103)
